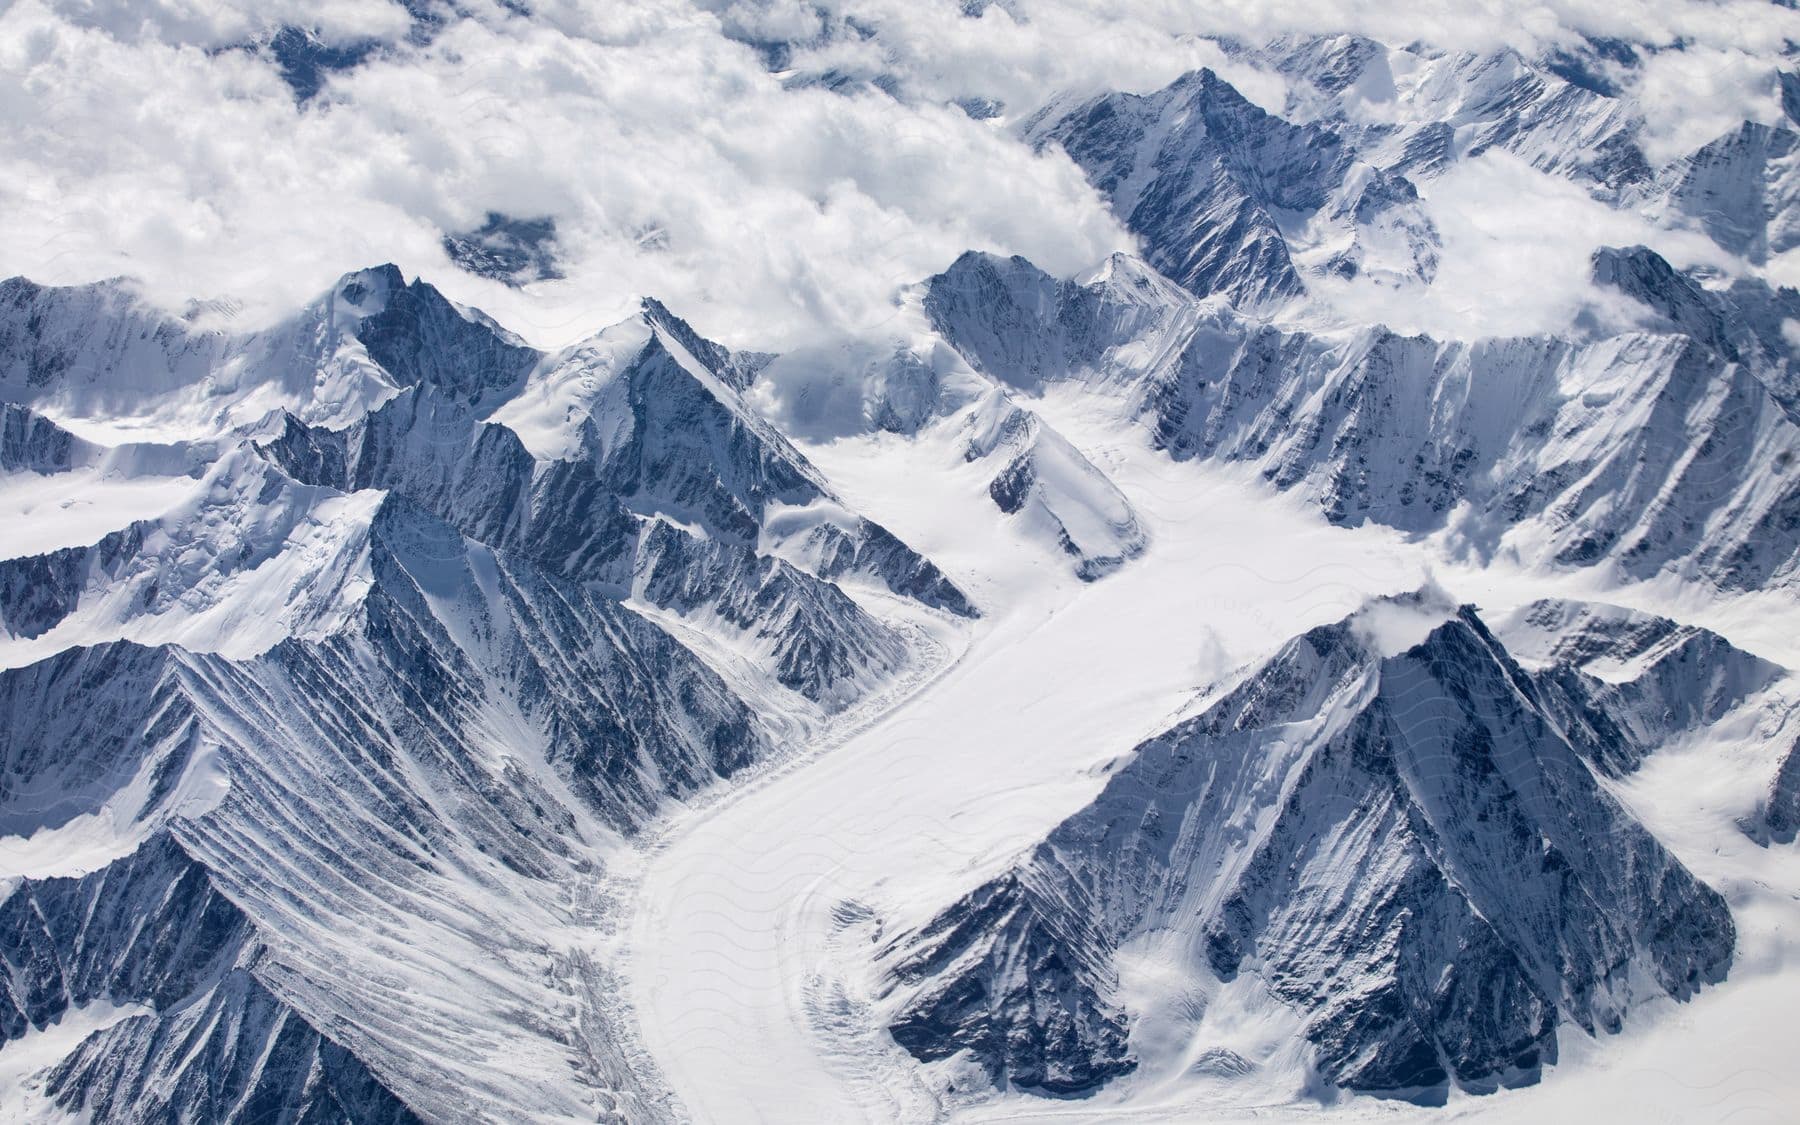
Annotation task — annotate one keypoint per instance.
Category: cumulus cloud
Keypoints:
(154, 138)
(1516, 258)
(1696, 95)
(672, 162)
(1024, 50)
(208, 23)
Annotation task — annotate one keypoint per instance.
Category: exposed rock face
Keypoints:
(1781, 815)
(32, 443)
(322, 763)
(1619, 684)
(152, 930)
(1385, 827)
(1028, 1001)
(1207, 180)
(508, 249)
(1645, 451)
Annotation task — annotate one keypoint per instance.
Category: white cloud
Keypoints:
(1694, 96)
(673, 164)
(130, 142)
(1516, 259)
(216, 24)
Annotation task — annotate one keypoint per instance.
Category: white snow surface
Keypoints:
(22, 1066)
(740, 933)
(749, 953)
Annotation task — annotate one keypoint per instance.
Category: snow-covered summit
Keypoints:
(1378, 860)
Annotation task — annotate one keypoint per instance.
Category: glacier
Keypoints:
(1239, 678)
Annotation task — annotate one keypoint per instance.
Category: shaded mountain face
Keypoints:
(503, 248)
(1215, 186)
(1779, 821)
(312, 761)
(1742, 190)
(1620, 683)
(153, 931)
(401, 798)
(1256, 204)
(1385, 829)
(1664, 450)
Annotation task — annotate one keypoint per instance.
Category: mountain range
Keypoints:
(358, 671)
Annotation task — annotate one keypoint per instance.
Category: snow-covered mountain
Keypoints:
(1645, 451)
(378, 698)
(346, 838)
(1416, 110)
(1380, 859)
(1006, 699)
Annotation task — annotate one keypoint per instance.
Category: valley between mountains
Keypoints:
(752, 965)
(1307, 667)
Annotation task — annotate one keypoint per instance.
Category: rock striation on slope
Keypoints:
(384, 795)
(1384, 828)
(152, 930)
(442, 623)
(1647, 451)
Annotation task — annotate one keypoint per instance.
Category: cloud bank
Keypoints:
(157, 138)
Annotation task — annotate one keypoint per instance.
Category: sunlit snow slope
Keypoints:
(1310, 666)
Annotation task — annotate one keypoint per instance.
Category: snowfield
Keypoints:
(1260, 584)
(755, 917)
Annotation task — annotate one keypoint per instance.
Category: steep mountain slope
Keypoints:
(1743, 190)
(96, 354)
(153, 930)
(1228, 198)
(1497, 888)
(370, 707)
(1220, 190)
(568, 517)
(404, 798)
(1642, 451)
(250, 558)
(1620, 683)
(1047, 483)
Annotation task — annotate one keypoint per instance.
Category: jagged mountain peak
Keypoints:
(1742, 189)
(1204, 177)
(96, 354)
(1403, 744)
